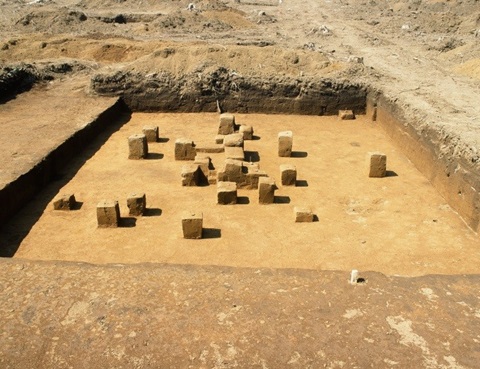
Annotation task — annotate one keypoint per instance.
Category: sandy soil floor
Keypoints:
(395, 225)
(424, 54)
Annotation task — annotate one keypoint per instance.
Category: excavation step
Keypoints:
(47, 126)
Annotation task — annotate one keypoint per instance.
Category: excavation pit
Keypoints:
(395, 225)
(70, 67)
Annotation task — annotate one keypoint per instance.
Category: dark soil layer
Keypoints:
(192, 93)
(14, 80)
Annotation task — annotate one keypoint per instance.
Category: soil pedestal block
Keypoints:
(266, 190)
(64, 202)
(219, 139)
(288, 172)
(212, 177)
(233, 140)
(235, 153)
(138, 147)
(190, 175)
(232, 171)
(246, 131)
(227, 124)
(353, 276)
(248, 166)
(192, 225)
(252, 178)
(185, 149)
(303, 214)
(346, 115)
(108, 214)
(203, 162)
(136, 203)
(226, 193)
(376, 164)
(151, 132)
(285, 143)
(209, 147)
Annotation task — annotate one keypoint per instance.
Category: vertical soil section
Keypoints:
(19, 192)
(454, 177)
(189, 93)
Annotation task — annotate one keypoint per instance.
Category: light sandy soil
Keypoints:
(426, 53)
(395, 225)
(35, 122)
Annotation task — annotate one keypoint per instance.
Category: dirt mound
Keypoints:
(207, 16)
(418, 18)
(62, 17)
(470, 68)
(145, 5)
(242, 60)
(99, 49)
(15, 79)
(174, 58)
(131, 4)
(211, 5)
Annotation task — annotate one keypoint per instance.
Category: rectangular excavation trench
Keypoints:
(337, 241)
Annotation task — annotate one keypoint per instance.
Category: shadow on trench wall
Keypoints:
(41, 185)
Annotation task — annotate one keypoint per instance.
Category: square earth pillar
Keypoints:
(232, 171)
(376, 164)
(346, 114)
(185, 149)
(151, 133)
(288, 173)
(64, 202)
(233, 140)
(227, 124)
(252, 177)
(204, 163)
(285, 143)
(212, 177)
(246, 131)
(108, 214)
(136, 203)
(226, 193)
(191, 175)
(192, 225)
(303, 214)
(219, 139)
(234, 153)
(266, 190)
(137, 146)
